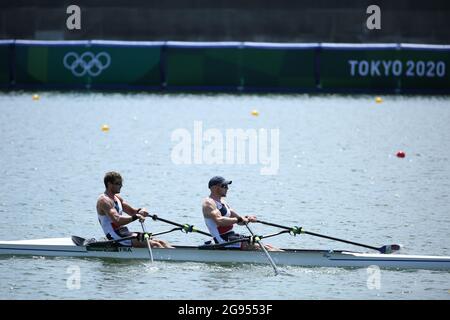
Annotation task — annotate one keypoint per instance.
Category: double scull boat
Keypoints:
(79, 247)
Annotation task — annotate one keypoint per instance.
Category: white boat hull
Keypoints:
(57, 247)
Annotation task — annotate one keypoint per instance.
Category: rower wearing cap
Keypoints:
(109, 211)
(220, 217)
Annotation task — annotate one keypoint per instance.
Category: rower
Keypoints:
(220, 217)
(109, 211)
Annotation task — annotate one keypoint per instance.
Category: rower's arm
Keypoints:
(107, 208)
(234, 213)
(210, 211)
(127, 208)
(246, 218)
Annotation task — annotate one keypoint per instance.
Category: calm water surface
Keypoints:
(338, 175)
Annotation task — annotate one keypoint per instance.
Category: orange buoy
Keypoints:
(105, 128)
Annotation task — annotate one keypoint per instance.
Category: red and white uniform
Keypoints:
(220, 234)
(111, 229)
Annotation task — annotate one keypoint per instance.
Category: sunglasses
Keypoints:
(225, 186)
(117, 183)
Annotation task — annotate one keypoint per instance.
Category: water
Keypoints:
(338, 175)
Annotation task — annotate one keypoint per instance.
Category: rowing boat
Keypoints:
(78, 247)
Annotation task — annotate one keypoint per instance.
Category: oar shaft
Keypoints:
(149, 247)
(263, 248)
(166, 221)
(341, 240)
(223, 244)
(164, 232)
(176, 224)
(273, 224)
(320, 235)
(118, 240)
(273, 234)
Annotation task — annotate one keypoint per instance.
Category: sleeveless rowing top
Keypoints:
(107, 224)
(215, 230)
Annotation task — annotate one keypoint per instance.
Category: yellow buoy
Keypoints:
(35, 97)
(255, 113)
(378, 100)
(105, 128)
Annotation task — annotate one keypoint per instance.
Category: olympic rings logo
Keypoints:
(87, 63)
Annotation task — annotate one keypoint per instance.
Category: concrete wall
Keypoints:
(413, 21)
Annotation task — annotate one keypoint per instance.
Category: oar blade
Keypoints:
(390, 248)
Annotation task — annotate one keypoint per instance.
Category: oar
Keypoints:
(223, 244)
(146, 237)
(298, 230)
(261, 245)
(247, 238)
(185, 227)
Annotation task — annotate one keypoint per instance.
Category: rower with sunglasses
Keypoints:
(220, 217)
(109, 211)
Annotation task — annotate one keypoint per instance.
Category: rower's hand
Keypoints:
(251, 218)
(140, 217)
(144, 212)
(244, 221)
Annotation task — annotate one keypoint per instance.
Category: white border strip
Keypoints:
(203, 44)
(234, 44)
(360, 45)
(54, 42)
(424, 46)
(279, 45)
(127, 43)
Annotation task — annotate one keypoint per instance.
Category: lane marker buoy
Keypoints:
(401, 154)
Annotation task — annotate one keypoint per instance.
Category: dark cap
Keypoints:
(218, 180)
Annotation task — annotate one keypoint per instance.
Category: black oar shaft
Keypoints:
(321, 235)
(274, 225)
(176, 224)
(223, 244)
(341, 240)
(164, 232)
(273, 234)
(119, 240)
(164, 220)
